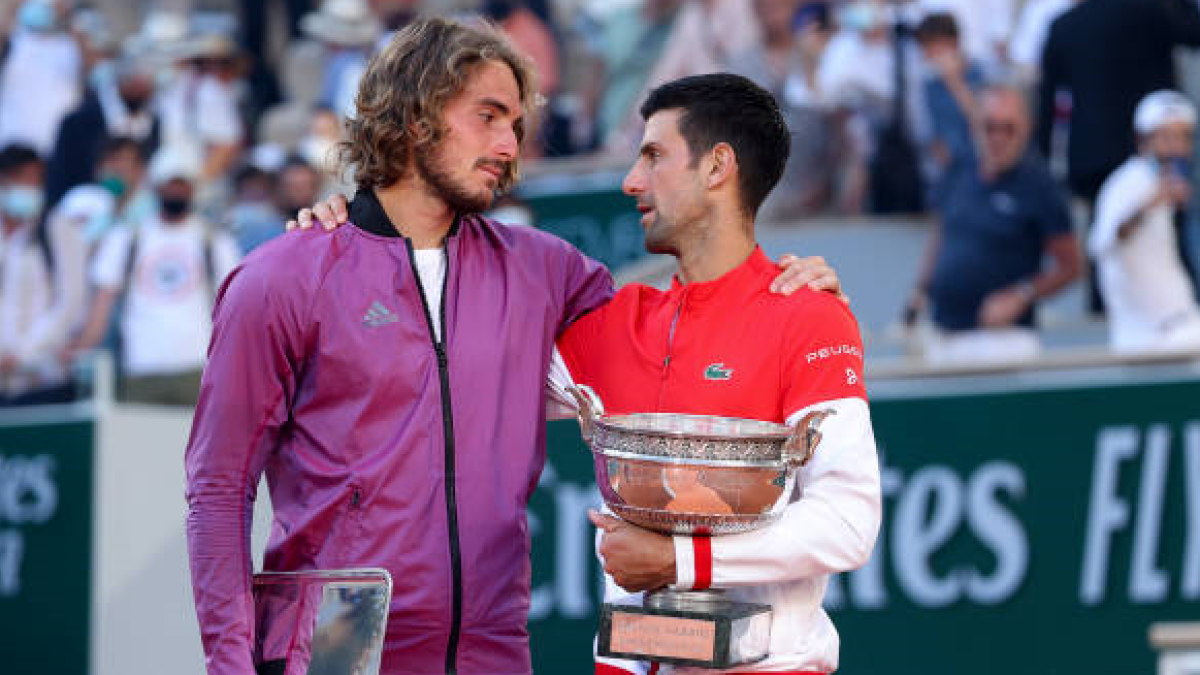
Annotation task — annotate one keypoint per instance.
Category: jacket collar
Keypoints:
(368, 215)
(749, 274)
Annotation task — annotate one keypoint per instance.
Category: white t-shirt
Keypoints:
(431, 268)
(39, 84)
(1146, 289)
(201, 109)
(166, 321)
(29, 329)
(855, 70)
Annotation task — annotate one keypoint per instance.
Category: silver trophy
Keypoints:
(692, 474)
(320, 622)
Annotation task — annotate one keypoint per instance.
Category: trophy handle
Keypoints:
(590, 409)
(805, 438)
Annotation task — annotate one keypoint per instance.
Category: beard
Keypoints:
(659, 237)
(431, 167)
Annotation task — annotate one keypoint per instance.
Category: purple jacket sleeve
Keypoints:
(586, 285)
(245, 395)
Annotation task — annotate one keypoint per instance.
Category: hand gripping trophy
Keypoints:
(692, 474)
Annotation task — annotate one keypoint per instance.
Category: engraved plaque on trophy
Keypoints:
(692, 474)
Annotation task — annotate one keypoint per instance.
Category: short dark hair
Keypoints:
(250, 172)
(937, 26)
(725, 108)
(16, 156)
(296, 162)
(114, 145)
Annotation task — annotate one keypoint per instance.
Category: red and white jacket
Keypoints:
(730, 347)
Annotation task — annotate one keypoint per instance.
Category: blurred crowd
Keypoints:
(137, 166)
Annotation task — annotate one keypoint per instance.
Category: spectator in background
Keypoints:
(252, 216)
(165, 270)
(1150, 299)
(949, 95)
(1029, 36)
(868, 73)
(297, 186)
(703, 37)
(531, 36)
(785, 63)
(266, 195)
(624, 43)
(30, 371)
(40, 77)
(83, 217)
(985, 27)
(116, 106)
(319, 149)
(1108, 55)
(200, 111)
(983, 272)
(254, 14)
(118, 193)
(348, 31)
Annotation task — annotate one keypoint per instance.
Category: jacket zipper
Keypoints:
(439, 347)
(666, 366)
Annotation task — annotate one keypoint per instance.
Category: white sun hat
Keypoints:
(1163, 107)
(342, 22)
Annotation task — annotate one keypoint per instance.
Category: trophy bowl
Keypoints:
(692, 474)
(695, 474)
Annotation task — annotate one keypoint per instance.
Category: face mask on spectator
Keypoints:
(135, 104)
(21, 202)
(103, 74)
(37, 15)
(114, 184)
(174, 206)
(860, 16)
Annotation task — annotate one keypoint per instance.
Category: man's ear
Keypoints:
(723, 165)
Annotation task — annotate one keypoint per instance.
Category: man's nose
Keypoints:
(508, 146)
(634, 184)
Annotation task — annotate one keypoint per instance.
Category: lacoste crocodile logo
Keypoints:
(718, 371)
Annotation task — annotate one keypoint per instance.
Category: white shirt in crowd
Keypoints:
(1033, 27)
(166, 320)
(30, 321)
(39, 84)
(1149, 298)
(199, 109)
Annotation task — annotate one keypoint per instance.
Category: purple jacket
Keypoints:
(381, 447)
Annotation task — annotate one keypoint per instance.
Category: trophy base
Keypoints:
(686, 628)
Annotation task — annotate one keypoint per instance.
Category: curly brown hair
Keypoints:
(405, 88)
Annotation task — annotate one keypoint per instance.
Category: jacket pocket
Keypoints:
(341, 543)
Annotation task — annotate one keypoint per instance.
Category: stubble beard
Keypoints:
(431, 168)
(659, 237)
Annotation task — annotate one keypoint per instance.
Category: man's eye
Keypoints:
(487, 116)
